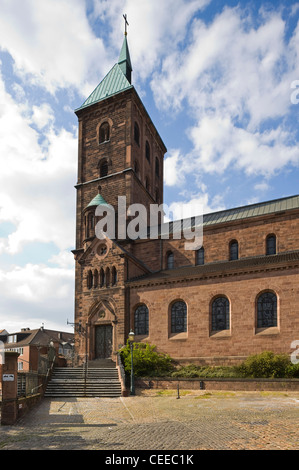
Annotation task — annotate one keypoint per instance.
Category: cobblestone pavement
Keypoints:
(157, 420)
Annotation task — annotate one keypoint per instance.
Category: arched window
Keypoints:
(104, 133)
(95, 278)
(157, 196)
(103, 169)
(141, 320)
(200, 256)
(102, 278)
(220, 314)
(233, 250)
(147, 151)
(157, 167)
(113, 276)
(136, 168)
(266, 310)
(136, 133)
(271, 245)
(147, 184)
(178, 317)
(170, 260)
(107, 277)
(89, 279)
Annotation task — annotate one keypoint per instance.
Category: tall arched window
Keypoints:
(147, 151)
(170, 260)
(200, 256)
(89, 279)
(104, 133)
(147, 183)
(103, 169)
(266, 310)
(233, 250)
(136, 168)
(178, 317)
(95, 278)
(102, 278)
(136, 133)
(141, 320)
(220, 314)
(113, 276)
(157, 167)
(107, 277)
(271, 245)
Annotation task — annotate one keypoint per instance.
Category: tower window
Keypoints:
(104, 134)
(233, 250)
(96, 278)
(147, 185)
(107, 277)
(200, 256)
(147, 151)
(141, 320)
(220, 314)
(170, 260)
(102, 278)
(136, 133)
(113, 276)
(266, 310)
(89, 280)
(157, 167)
(271, 245)
(104, 169)
(136, 168)
(179, 317)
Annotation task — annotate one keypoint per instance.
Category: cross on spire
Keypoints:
(126, 23)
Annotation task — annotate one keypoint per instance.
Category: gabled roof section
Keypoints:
(114, 82)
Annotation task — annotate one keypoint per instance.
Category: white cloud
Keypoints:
(42, 115)
(28, 299)
(234, 76)
(172, 173)
(52, 43)
(36, 182)
(155, 27)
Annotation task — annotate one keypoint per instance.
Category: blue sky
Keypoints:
(216, 78)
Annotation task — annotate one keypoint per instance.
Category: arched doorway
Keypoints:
(103, 341)
(102, 322)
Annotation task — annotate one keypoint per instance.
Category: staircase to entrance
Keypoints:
(98, 379)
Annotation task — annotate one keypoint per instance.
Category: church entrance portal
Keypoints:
(103, 341)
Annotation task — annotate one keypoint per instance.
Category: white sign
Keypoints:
(8, 377)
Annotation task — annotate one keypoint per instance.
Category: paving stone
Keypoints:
(197, 421)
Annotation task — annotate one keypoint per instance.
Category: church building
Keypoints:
(236, 295)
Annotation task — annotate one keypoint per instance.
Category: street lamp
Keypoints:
(131, 341)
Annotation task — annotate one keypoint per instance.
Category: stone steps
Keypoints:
(101, 381)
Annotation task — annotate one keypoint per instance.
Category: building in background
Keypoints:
(37, 347)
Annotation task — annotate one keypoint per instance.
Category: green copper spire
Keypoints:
(124, 60)
(117, 80)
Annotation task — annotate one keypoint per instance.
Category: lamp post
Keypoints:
(131, 341)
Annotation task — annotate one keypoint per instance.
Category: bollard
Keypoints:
(178, 388)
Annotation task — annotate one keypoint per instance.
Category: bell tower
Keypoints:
(120, 153)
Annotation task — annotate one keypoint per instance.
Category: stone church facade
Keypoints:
(236, 295)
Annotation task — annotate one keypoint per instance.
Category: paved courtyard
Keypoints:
(157, 420)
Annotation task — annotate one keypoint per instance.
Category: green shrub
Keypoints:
(192, 371)
(147, 362)
(267, 365)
